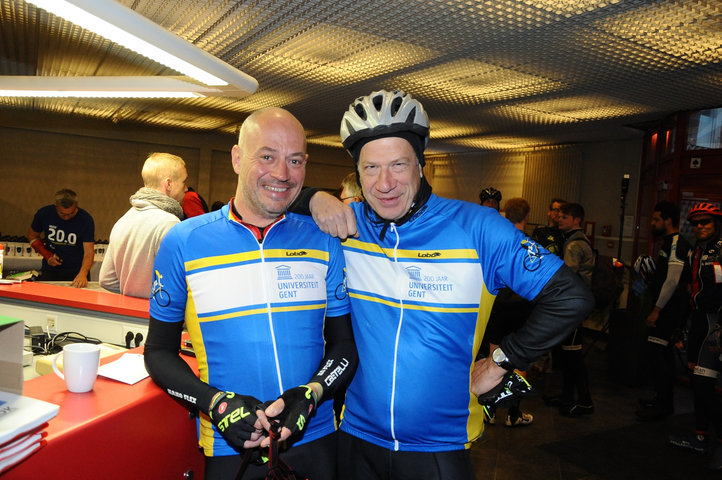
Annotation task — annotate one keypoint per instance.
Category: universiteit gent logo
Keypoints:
(283, 272)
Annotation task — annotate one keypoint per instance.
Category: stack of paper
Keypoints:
(22, 427)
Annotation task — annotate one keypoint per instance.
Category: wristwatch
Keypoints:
(500, 358)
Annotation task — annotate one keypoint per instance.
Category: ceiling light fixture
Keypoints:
(102, 87)
(124, 26)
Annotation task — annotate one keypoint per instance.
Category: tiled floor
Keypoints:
(609, 444)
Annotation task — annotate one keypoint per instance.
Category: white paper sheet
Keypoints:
(129, 368)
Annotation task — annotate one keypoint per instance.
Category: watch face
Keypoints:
(498, 356)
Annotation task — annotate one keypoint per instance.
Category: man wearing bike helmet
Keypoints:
(704, 348)
(423, 272)
(490, 197)
(669, 311)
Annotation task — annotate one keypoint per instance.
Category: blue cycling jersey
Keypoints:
(255, 311)
(421, 299)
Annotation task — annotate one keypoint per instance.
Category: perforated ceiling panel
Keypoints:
(493, 75)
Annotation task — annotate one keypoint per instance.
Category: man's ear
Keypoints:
(236, 155)
(167, 182)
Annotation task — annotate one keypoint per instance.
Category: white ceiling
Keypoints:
(493, 75)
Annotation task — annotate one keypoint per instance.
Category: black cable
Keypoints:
(53, 345)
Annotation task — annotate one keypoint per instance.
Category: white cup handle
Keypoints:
(55, 366)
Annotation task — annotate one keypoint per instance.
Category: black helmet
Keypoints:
(382, 113)
(490, 192)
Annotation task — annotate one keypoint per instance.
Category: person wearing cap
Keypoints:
(64, 234)
(422, 274)
(703, 346)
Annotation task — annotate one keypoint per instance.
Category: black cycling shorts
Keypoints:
(361, 460)
(315, 460)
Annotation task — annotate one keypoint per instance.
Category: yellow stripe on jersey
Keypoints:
(260, 310)
(222, 260)
(375, 299)
(452, 253)
(296, 253)
(475, 421)
(205, 439)
(429, 308)
(425, 308)
(255, 255)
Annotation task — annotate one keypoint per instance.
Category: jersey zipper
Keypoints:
(396, 345)
(266, 295)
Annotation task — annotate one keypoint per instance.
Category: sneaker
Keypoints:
(698, 443)
(654, 412)
(523, 419)
(576, 409)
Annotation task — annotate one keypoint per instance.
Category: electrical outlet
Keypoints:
(133, 336)
(51, 322)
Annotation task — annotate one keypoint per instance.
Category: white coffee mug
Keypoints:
(80, 366)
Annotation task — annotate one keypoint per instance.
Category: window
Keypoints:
(705, 130)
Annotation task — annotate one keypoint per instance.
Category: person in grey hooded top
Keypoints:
(134, 240)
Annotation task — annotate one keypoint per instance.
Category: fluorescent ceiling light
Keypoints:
(89, 87)
(95, 94)
(126, 27)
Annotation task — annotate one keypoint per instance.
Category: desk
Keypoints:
(116, 431)
(14, 264)
(93, 312)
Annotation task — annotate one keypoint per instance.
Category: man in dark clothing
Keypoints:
(68, 244)
(549, 236)
(669, 311)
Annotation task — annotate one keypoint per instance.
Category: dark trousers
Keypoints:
(315, 460)
(574, 371)
(704, 351)
(361, 460)
(660, 350)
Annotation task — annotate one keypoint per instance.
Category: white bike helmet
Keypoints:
(382, 113)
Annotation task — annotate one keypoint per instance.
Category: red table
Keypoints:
(84, 299)
(116, 431)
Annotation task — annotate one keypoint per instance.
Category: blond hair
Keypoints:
(159, 166)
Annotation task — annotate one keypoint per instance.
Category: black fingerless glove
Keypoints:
(512, 386)
(299, 404)
(234, 416)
